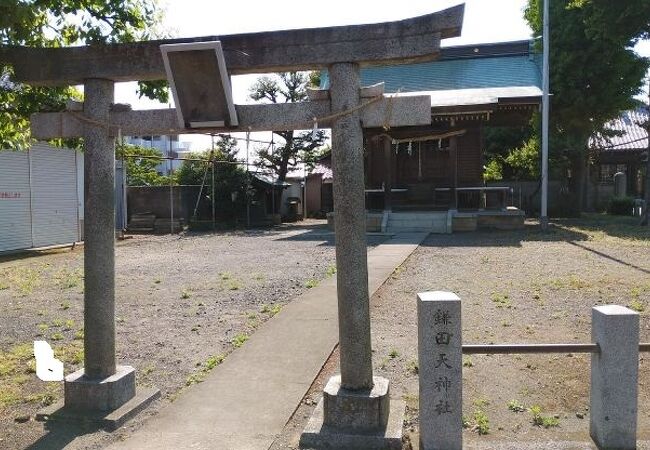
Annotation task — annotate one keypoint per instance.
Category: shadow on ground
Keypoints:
(61, 434)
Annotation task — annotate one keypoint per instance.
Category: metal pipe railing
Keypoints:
(493, 349)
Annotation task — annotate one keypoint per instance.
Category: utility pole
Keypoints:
(645, 219)
(543, 220)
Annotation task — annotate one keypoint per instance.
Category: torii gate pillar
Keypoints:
(101, 390)
(355, 411)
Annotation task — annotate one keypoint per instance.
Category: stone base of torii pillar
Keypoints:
(365, 419)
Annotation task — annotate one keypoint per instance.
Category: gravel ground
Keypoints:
(516, 287)
(183, 303)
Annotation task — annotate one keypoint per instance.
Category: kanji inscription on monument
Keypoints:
(440, 364)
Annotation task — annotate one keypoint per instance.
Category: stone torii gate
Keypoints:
(356, 404)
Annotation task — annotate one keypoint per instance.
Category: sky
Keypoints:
(484, 21)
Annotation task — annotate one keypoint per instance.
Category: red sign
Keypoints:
(10, 195)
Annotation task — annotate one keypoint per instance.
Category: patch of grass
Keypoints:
(541, 420)
(68, 279)
(467, 362)
(65, 305)
(397, 272)
(481, 402)
(185, 294)
(79, 334)
(311, 283)
(9, 395)
(210, 363)
(43, 327)
(393, 353)
(68, 325)
(331, 271)
(24, 280)
(515, 406)
(233, 284)
(412, 367)
(481, 422)
(57, 337)
(239, 339)
(271, 310)
(148, 369)
(57, 323)
(501, 300)
(637, 305)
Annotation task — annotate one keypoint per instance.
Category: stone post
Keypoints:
(440, 358)
(614, 377)
(356, 411)
(101, 392)
(350, 226)
(99, 233)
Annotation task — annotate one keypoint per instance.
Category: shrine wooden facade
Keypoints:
(440, 166)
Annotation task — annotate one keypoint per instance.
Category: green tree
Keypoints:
(594, 72)
(230, 178)
(56, 23)
(141, 165)
(288, 87)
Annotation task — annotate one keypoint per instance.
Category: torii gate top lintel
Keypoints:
(410, 40)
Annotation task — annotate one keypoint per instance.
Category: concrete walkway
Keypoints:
(245, 402)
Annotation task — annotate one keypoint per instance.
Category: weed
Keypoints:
(195, 378)
(195, 328)
(467, 362)
(79, 334)
(214, 361)
(481, 402)
(397, 272)
(157, 281)
(541, 420)
(465, 421)
(40, 313)
(233, 284)
(515, 406)
(43, 327)
(412, 367)
(331, 270)
(57, 337)
(271, 310)
(501, 300)
(147, 370)
(637, 305)
(485, 259)
(505, 323)
(481, 422)
(393, 354)
(68, 279)
(239, 339)
(225, 276)
(25, 280)
(185, 294)
(9, 396)
(57, 323)
(311, 283)
(258, 277)
(68, 325)
(65, 305)
(383, 363)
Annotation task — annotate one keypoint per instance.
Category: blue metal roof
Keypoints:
(495, 70)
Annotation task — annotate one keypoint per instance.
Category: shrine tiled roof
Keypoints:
(509, 68)
(631, 127)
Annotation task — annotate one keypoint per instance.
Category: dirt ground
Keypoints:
(516, 287)
(183, 303)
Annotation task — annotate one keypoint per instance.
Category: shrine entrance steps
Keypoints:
(419, 222)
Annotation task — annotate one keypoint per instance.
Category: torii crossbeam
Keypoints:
(353, 398)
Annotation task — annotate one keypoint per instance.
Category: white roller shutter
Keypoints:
(54, 196)
(15, 223)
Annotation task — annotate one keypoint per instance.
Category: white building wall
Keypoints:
(15, 199)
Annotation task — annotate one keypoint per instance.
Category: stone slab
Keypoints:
(614, 377)
(108, 420)
(440, 366)
(319, 436)
(246, 401)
